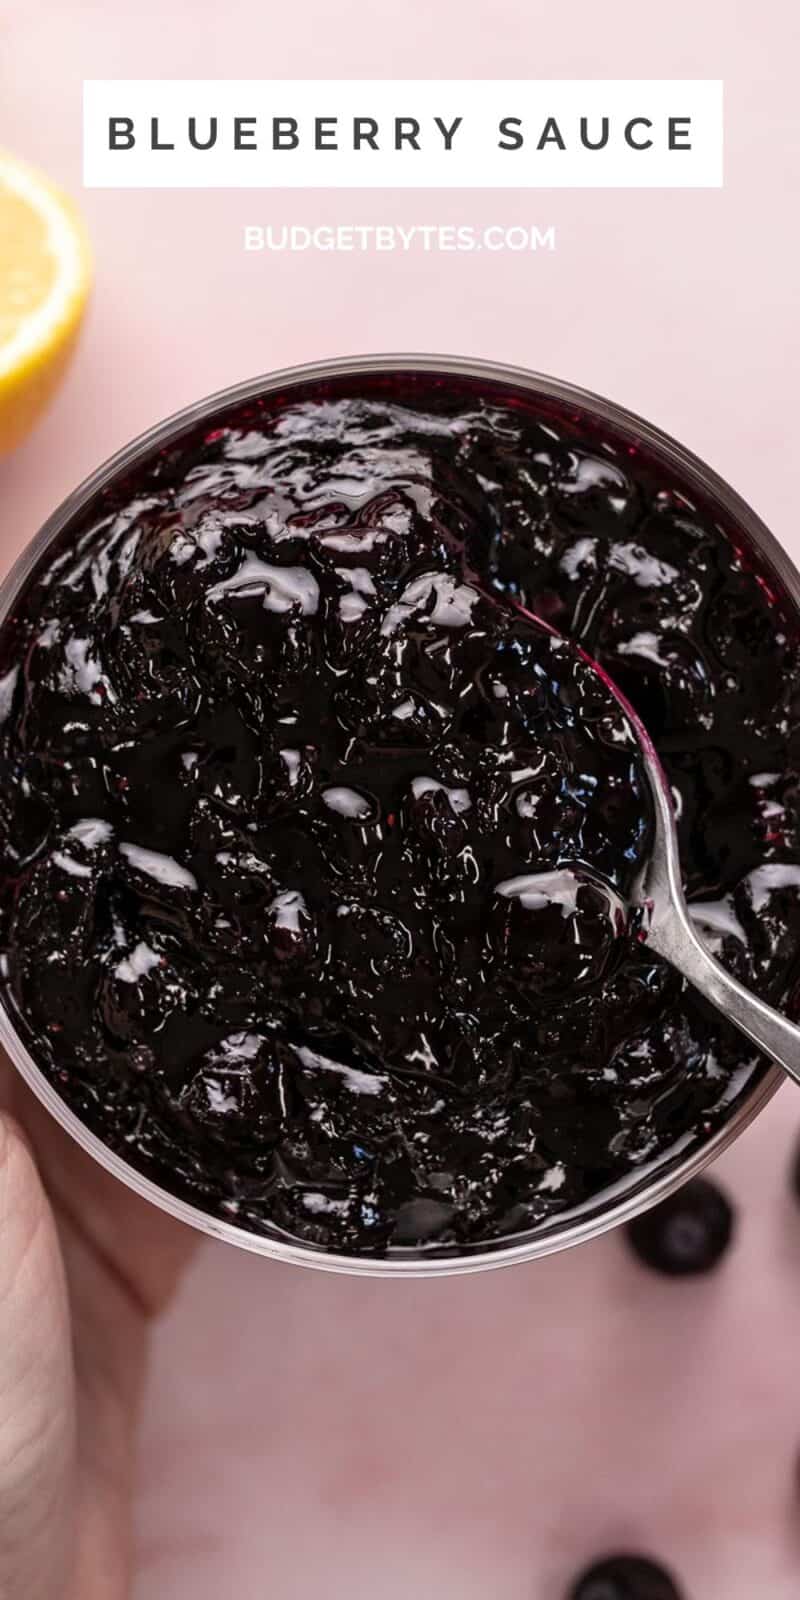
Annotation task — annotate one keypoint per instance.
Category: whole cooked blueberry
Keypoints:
(687, 1233)
(625, 1578)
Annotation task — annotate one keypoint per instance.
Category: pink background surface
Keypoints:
(307, 1435)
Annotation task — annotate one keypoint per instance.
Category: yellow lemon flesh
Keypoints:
(45, 273)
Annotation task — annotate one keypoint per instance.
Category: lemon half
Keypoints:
(45, 275)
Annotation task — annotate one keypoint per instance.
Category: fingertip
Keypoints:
(37, 1403)
(12, 1134)
(29, 1255)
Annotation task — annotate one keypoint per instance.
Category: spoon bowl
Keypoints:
(666, 924)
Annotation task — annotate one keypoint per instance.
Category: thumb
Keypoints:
(37, 1389)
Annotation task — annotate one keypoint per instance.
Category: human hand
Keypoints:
(84, 1266)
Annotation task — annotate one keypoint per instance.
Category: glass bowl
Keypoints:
(613, 1206)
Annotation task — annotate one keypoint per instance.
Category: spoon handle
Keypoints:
(674, 937)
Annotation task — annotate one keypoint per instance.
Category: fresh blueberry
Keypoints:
(687, 1233)
(625, 1578)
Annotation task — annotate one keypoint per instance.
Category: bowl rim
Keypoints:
(613, 1206)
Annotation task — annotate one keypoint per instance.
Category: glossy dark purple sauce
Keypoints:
(313, 852)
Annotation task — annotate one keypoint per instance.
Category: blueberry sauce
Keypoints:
(315, 848)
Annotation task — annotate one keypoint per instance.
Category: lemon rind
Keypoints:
(68, 244)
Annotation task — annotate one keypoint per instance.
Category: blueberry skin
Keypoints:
(686, 1234)
(625, 1578)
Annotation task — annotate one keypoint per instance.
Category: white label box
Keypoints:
(390, 134)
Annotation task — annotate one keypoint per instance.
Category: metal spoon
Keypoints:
(667, 926)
